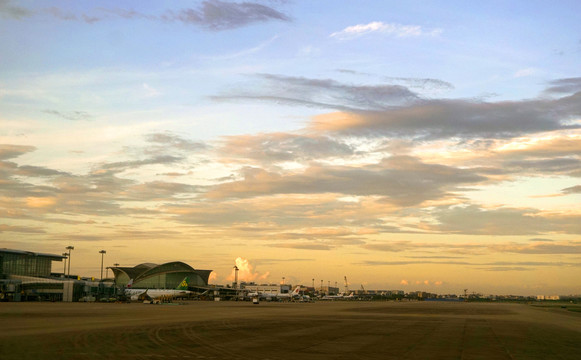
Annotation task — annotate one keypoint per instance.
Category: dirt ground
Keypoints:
(324, 330)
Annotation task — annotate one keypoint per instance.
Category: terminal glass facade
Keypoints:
(26, 265)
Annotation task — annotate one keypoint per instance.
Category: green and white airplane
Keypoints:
(154, 294)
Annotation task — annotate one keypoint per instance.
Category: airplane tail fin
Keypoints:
(130, 283)
(296, 291)
(184, 284)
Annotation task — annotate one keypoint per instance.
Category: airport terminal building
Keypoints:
(164, 276)
(28, 276)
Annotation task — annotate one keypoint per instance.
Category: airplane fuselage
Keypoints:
(134, 294)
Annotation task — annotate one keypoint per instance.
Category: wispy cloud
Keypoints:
(150, 91)
(466, 249)
(397, 111)
(506, 268)
(71, 115)
(530, 71)
(167, 142)
(491, 266)
(214, 15)
(426, 85)
(391, 29)
(220, 15)
(21, 229)
(9, 10)
(402, 180)
(503, 221)
(564, 86)
(278, 147)
(302, 246)
(245, 52)
(324, 93)
(572, 190)
(437, 119)
(8, 151)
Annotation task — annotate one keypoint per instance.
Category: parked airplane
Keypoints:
(269, 296)
(153, 294)
(338, 297)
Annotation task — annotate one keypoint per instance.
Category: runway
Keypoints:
(324, 330)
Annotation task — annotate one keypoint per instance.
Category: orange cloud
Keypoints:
(213, 277)
(246, 271)
(37, 202)
(336, 121)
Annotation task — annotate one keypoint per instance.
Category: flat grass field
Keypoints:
(322, 330)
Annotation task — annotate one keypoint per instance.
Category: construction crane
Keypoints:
(346, 285)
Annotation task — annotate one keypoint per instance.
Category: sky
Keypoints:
(412, 145)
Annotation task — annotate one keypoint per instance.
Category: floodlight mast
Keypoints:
(65, 256)
(69, 248)
(236, 277)
(102, 252)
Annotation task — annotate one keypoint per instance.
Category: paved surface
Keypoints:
(324, 330)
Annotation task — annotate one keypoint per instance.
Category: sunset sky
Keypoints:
(412, 145)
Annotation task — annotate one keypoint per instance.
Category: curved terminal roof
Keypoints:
(146, 270)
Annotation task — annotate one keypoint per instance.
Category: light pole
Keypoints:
(102, 252)
(283, 280)
(69, 248)
(65, 264)
(236, 277)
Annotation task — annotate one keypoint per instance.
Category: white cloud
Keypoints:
(526, 72)
(396, 30)
(150, 91)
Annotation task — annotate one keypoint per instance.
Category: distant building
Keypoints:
(270, 289)
(329, 290)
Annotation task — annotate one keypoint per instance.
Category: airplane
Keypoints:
(269, 296)
(340, 296)
(156, 294)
